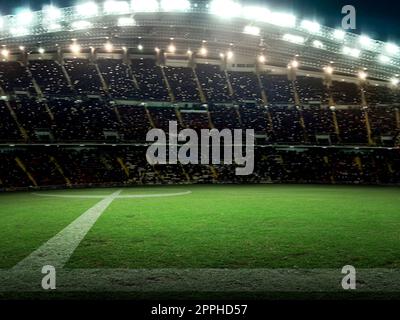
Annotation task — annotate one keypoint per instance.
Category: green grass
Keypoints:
(273, 226)
(248, 227)
(27, 221)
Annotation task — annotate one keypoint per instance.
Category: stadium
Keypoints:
(82, 86)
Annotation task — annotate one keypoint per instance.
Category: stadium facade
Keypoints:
(81, 87)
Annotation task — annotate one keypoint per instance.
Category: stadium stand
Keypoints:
(183, 84)
(84, 76)
(119, 79)
(50, 78)
(150, 80)
(213, 82)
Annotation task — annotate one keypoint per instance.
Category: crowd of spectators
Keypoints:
(122, 165)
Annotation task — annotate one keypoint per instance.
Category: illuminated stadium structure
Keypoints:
(80, 87)
(250, 31)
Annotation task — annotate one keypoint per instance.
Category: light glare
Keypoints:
(175, 5)
(252, 30)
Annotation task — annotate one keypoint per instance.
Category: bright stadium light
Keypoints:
(328, 70)
(293, 38)
(145, 5)
(339, 34)
(365, 41)
(75, 48)
(24, 17)
(362, 75)
(5, 53)
(87, 9)
(203, 51)
(256, 13)
(394, 81)
(355, 53)
(311, 26)
(318, 44)
(126, 22)
(175, 5)
(19, 31)
(384, 59)
(140, 47)
(171, 48)
(229, 55)
(262, 59)
(392, 48)
(294, 64)
(80, 25)
(21, 48)
(41, 50)
(116, 7)
(282, 19)
(252, 30)
(109, 47)
(225, 8)
(51, 14)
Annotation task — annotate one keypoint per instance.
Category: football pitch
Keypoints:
(200, 238)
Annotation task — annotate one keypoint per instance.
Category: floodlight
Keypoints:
(126, 22)
(293, 38)
(203, 51)
(311, 26)
(282, 19)
(261, 58)
(189, 52)
(394, 81)
(294, 64)
(24, 17)
(365, 41)
(88, 9)
(225, 8)
(229, 54)
(75, 48)
(156, 49)
(80, 25)
(109, 47)
(318, 44)
(256, 13)
(328, 70)
(116, 7)
(145, 5)
(221, 55)
(5, 53)
(392, 48)
(21, 48)
(175, 5)
(140, 47)
(171, 48)
(362, 75)
(252, 30)
(384, 59)
(51, 13)
(41, 50)
(339, 34)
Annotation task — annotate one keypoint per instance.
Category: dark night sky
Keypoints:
(379, 18)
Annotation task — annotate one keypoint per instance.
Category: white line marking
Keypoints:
(57, 251)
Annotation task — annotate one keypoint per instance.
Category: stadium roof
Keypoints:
(221, 24)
